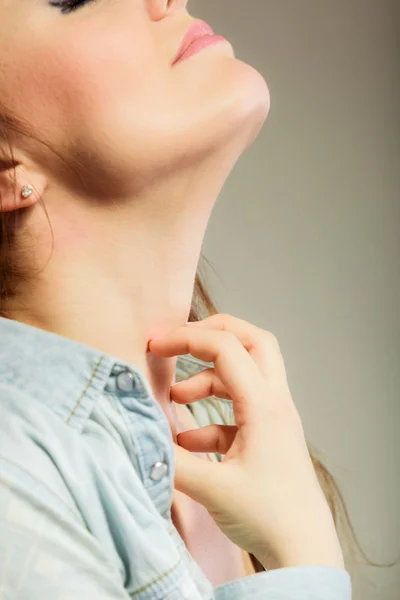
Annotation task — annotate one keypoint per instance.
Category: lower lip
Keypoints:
(199, 44)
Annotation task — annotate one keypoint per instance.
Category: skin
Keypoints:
(155, 145)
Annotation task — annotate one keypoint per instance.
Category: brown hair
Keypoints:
(11, 270)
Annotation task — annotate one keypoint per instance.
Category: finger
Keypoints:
(262, 345)
(233, 365)
(198, 478)
(212, 438)
(203, 384)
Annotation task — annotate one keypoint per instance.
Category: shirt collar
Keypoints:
(65, 375)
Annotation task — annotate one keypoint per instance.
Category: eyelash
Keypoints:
(68, 6)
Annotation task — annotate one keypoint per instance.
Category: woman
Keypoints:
(123, 150)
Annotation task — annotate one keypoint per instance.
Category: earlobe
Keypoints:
(27, 195)
(27, 190)
(13, 199)
(16, 194)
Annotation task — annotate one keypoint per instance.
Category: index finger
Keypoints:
(262, 345)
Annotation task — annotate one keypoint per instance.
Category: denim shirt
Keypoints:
(87, 479)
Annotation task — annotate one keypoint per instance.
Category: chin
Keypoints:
(244, 104)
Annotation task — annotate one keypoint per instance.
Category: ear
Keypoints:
(12, 181)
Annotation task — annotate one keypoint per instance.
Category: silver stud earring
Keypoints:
(27, 191)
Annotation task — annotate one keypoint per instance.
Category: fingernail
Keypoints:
(149, 342)
(190, 322)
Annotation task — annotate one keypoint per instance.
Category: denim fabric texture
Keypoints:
(87, 478)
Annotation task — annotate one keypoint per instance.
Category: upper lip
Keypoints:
(196, 30)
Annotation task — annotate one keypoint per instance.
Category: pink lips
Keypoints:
(195, 33)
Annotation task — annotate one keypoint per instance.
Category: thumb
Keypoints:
(197, 478)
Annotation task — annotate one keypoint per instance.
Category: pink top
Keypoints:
(219, 558)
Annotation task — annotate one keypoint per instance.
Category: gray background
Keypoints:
(305, 238)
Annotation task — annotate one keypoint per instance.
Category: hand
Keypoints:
(264, 494)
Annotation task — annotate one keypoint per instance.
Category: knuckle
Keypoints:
(269, 341)
(229, 341)
(270, 337)
(226, 321)
(227, 326)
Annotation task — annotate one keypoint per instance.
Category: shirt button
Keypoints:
(158, 471)
(125, 381)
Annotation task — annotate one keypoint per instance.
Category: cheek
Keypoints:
(111, 95)
(94, 76)
(69, 83)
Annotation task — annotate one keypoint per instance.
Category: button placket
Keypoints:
(150, 434)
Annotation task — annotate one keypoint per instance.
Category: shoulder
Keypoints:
(33, 444)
